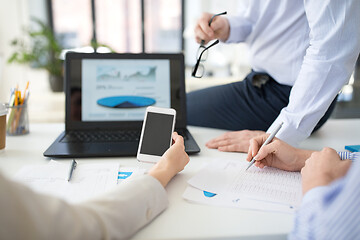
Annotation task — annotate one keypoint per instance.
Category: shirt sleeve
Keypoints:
(241, 24)
(328, 63)
(117, 214)
(355, 156)
(330, 212)
(240, 29)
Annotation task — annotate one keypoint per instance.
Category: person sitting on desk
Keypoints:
(330, 207)
(116, 215)
(301, 53)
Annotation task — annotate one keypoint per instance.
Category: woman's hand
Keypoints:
(276, 154)
(322, 168)
(173, 161)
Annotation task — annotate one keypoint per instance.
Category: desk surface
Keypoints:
(184, 220)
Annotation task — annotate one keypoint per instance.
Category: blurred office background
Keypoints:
(126, 26)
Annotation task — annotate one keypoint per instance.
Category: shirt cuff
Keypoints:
(238, 30)
(287, 133)
(314, 194)
(348, 155)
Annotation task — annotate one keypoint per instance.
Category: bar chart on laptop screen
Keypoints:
(114, 90)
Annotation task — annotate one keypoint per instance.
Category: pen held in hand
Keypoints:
(271, 136)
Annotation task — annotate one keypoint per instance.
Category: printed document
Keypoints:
(229, 179)
(88, 180)
(195, 195)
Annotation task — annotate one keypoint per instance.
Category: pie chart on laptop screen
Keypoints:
(126, 102)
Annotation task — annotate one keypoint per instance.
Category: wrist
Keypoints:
(321, 180)
(162, 175)
(300, 157)
(226, 33)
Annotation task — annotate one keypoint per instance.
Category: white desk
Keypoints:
(183, 220)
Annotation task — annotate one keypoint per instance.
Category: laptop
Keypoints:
(106, 97)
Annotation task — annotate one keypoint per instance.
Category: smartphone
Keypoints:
(156, 133)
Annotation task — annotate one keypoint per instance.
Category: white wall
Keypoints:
(13, 18)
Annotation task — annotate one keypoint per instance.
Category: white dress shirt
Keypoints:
(118, 214)
(307, 44)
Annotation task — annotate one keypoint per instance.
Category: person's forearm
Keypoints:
(161, 175)
(42, 217)
(325, 67)
(306, 214)
(128, 208)
(118, 214)
(330, 212)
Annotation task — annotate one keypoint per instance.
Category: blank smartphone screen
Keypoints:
(157, 134)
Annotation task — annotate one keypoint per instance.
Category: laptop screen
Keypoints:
(112, 91)
(119, 90)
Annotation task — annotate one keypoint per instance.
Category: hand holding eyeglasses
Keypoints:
(210, 27)
(206, 34)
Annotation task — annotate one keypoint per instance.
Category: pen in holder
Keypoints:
(18, 120)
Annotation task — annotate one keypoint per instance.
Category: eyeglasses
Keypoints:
(202, 53)
(198, 70)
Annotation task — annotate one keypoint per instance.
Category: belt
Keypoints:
(260, 79)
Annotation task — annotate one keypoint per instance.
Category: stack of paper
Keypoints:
(88, 180)
(226, 183)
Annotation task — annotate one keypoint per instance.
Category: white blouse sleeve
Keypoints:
(117, 214)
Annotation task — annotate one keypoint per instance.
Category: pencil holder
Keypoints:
(3, 113)
(18, 120)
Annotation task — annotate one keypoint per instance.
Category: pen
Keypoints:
(72, 167)
(272, 135)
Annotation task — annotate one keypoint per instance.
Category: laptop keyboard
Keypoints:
(102, 136)
(108, 136)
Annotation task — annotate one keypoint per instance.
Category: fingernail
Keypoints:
(256, 157)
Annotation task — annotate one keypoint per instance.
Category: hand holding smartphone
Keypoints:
(156, 133)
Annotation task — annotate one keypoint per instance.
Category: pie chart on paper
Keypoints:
(126, 102)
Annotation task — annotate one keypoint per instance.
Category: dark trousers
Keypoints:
(250, 104)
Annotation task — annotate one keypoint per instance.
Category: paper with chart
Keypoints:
(88, 180)
(126, 173)
(229, 178)
(195, 195)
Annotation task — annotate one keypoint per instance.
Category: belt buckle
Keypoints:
(259, 80)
